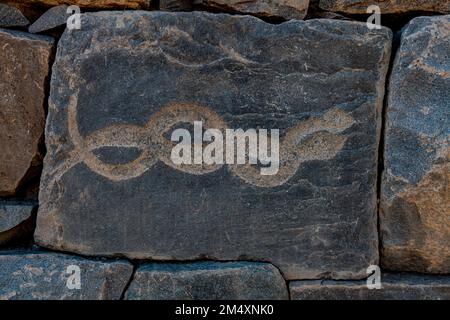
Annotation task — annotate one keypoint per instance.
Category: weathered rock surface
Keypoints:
(386, 6)
(12, 214)
(31, 11)
(288, 9)
(207, 281)
(45, 276)
(175, 5)
(24, 66)
(129, 79)
(394, 287)
(93, 4)
(15, 221)
(52, 18)
(12, 17)
(315, 12)
(415, 199)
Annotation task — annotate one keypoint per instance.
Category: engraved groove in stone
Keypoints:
(314, 139)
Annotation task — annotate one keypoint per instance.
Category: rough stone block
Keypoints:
(12, 17)
(93, 4)
(52, 18)
(415, 194)
(394, 287)
(51, 276)
(386, 6)
(288, 9)
(207, 281)
(24, 68)
(175, 5)
(16, 221)
(119, 89)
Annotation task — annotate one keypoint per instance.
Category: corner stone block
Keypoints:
(394, 287)
(208, 281)
(123, 83)
(415, 193)
(53, 276)
(24, 68)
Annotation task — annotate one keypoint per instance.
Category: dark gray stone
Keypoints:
(15, 221)
(415, 193)
(24, 70)
(52, 18)
(44, 276)
(12, 17)
(175, 5)
(207, 281)
(394, 287)
(320, 82)
(287, 9)
(315, 12)
(13, 214)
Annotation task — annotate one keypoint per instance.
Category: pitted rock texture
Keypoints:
(15, 221)
(175, 5)
(415, 198)
(24, 68)
(12, 17)
(129, 79)
(386, 6)
(207, 281)
(52, 18)
(93, 4)
(30, 10)
(394, 287)
(288, 9)
(51, 276)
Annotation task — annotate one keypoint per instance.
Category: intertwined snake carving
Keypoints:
(317, 138)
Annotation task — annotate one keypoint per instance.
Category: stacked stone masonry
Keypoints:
(93, 207)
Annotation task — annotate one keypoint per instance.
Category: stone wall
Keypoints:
(92, 205)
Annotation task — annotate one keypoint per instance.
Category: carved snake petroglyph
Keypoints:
(314, 139)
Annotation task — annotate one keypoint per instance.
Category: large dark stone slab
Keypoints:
(24, 68)
(127, 80)
(415, 194)
(394, 287)
(45, 276)
(207, 281)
